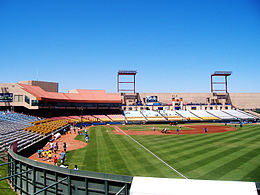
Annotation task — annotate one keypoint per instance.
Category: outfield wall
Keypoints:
(38, 176)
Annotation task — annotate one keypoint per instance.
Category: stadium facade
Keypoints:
(42, 98)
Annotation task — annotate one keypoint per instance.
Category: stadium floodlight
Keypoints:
(227, 73)
(224, 83)
(126, 73)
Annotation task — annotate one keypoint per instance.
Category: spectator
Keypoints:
(65, 146)
(49, 156)
(43, 154)
(51, 146)
(39, 153)
(62, 157)
(55, 148)
(55, 160)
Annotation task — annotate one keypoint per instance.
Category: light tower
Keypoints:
(126, 73)
(224, 85)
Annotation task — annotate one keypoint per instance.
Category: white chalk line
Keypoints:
(151, 153)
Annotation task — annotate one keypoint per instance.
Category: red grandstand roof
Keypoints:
(80, 95)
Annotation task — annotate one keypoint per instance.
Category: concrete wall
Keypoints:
(245, 100)
(239, 100)
(187, 97)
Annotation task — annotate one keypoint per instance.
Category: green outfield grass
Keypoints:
(4, 186)
(155, 127)
(233, 155)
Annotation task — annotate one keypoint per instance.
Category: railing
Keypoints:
(31, 177)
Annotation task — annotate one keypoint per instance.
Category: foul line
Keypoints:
(151, 152)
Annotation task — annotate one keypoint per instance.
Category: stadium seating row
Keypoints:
(47, 127)
(193, 115)
(11, 130)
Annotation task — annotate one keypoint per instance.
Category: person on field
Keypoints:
(55, 160)
(39, 153)
(86, 139)
(164, 130)
(206, 130)
(177, 131)
(64, 146)
(49, 156)
(51, 146)
(62, 157)
(63, 166)
(43, 154)
(76, 168)
(55, 148)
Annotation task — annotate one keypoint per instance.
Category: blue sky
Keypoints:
(174, 45)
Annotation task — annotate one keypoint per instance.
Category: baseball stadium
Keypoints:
(128, 142)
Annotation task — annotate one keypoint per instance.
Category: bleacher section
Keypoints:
(188, 115)
(220, 114)
(151, 115)
(117, 117)
(134, 116)
(102, 118)
(171, 115)
(17, 118)
(11, 130)
(90, 118)
(203, 114)
(47, 127)
(239, 114)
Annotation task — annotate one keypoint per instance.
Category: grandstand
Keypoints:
(171, 115)
(188, 115)
(116, 117)
(11, 130)
(203, 114)
(46, 127)
(151, 115)
(222, 115)
(134, 116)
(240, 114)
(102, 118)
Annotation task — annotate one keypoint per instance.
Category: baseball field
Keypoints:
(224, 155)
